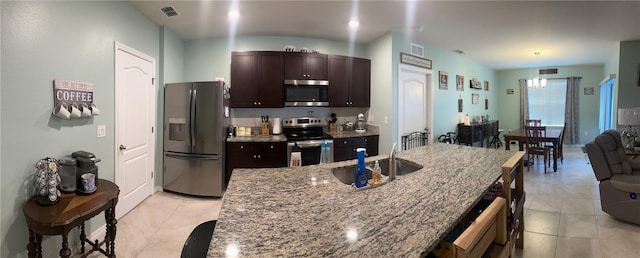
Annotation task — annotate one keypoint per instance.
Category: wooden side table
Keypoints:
(632, 153)
(72, 211)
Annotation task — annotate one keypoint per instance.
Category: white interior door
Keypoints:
(135, 117)
(414, 100)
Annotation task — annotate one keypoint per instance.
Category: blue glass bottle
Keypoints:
(361, 176)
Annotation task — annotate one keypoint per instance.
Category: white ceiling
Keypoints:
(499, 34)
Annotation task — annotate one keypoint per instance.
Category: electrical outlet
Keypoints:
(386, 120)
(102, 131)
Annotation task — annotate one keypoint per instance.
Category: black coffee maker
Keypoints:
(85, 163)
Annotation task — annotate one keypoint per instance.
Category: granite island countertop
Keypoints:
(306, 211)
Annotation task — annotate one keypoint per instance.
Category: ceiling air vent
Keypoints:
(549, 71)
(417, 50)
(169, 11)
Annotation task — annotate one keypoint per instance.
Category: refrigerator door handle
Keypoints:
(192, 156)
(192, 119)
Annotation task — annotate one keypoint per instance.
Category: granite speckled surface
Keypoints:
(258, 138)
(371, 130)
(306, 211)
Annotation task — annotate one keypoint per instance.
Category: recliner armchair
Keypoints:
(619, 176)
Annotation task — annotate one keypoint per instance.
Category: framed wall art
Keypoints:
(475, 84)
(459, 82)
(443, 82)
(588, 91)
(460, 105)
(415, 61)
(486, 85)
(475, 98)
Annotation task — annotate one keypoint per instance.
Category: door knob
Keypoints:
(122, 147)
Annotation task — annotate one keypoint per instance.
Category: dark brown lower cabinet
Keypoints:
(255, 155)
(345, 148)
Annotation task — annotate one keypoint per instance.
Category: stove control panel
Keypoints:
(302, 122)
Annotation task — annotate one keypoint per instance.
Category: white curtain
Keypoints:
(524, 102)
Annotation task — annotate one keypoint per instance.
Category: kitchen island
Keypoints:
(306, 211)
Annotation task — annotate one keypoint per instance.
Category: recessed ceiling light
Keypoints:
(354, 24)
(234, 14)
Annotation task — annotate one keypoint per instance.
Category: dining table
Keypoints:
(553, 136)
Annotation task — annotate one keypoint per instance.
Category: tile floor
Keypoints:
(562, 218)
(159, 226)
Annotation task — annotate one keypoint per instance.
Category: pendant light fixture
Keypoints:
(536, 82)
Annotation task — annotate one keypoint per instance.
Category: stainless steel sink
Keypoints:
(346, 174)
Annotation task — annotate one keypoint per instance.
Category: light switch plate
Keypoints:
(102, 131)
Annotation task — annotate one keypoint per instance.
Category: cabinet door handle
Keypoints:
(259, 103)
(241, 146)
(122, 147)
(258, 155)
(255, 103)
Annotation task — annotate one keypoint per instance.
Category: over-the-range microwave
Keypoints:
(306, 93)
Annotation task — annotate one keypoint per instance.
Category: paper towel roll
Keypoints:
(276, 125)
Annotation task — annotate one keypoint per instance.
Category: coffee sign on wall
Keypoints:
(73, 99)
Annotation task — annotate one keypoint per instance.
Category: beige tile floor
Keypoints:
(159, 226)
(562, 218)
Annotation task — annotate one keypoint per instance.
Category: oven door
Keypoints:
(312, 152)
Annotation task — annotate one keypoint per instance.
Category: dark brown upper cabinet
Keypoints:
(305, 66)
(257, 79)
(349, 81)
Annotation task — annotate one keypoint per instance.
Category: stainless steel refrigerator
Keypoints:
(195, 127)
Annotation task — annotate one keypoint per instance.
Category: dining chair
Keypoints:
(533, 122)
(414, 140)
(536, 145)
(560, 144)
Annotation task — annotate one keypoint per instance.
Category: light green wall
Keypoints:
(611, 66)
(171, 64)
(445, 102)
(592, 75)
(628, 85)
(43, 41)
(382, 100)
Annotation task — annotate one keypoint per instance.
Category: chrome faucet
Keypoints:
(392, 162)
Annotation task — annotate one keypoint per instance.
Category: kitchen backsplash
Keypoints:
(252, 116)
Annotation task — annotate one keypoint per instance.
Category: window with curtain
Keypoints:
(548, 103)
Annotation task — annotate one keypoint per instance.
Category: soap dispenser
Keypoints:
(361, 176)
(376, 175)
